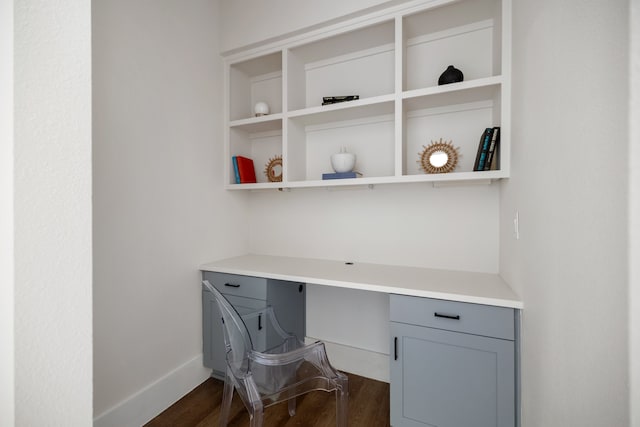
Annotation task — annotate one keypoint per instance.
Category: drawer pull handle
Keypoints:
(260, 321)
(447, 316)
(232, 285)
(395, 348)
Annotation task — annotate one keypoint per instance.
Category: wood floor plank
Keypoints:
(368, 407)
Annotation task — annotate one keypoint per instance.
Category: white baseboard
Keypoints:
(357, 361)
(144, 405)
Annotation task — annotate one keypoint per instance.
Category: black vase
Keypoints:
(450, 75)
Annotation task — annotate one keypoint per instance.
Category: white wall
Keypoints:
(451, 228)
(634, 213)
(52, 223)
(159, 205)
(7, 398)
(569, 183)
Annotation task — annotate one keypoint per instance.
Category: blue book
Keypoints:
(235, 169)
(495, 140)
(340, 175)
(483, 147)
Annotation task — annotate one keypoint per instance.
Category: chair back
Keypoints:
(237, 339)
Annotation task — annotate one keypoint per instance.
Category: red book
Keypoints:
(246, 170)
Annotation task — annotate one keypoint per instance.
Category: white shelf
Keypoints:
(487, 83)
(259, 124)
(482, 177)
(342, 111)
(392, 61)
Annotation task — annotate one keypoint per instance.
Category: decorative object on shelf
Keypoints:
(343, 161)
(328, 100)
(273, 169)
(450, 75)
(341, 175)
(244, 171)
(439, 157)
(486, 157)
(261, 109)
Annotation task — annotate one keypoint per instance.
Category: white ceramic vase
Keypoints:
(343, 161)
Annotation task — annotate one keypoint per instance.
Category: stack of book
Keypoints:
(328, 100)
(341, 175)
(244, 171)
(488, 156)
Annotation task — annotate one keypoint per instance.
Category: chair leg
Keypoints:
(255, 416)
(292, 406)
(342, 401)
(227, 397)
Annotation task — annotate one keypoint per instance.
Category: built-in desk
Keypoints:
(453, 349)
(477, 288)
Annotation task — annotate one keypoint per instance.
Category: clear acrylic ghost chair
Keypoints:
(278, 374)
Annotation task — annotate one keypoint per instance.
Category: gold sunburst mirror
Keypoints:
(273, 169)
(439, 157)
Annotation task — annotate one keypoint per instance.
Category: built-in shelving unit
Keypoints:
(392, 60)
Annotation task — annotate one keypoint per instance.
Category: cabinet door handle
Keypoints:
(447, 316)
(395, 348)
(232, 285)
(260, 321)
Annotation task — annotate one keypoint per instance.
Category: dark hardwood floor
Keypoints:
(368, 407)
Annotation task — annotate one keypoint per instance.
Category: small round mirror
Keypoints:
(276, 171)
(273, 169)
(438, 159)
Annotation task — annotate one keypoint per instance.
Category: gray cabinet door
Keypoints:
(286, 298)
(442, 378)
(214, 356)
(213, 352)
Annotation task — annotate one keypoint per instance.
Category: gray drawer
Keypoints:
(235, 284)
(477, 319)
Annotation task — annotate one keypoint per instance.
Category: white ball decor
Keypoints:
(343, 161)
(261, 108)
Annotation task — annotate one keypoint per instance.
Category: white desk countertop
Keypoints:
(479, 288)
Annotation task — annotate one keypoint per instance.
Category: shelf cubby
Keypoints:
(254, 80)
(464, 34)
(359, 62)
(366, 131)
(260, 146)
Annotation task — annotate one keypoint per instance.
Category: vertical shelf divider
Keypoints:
(399, 83)
(285, 116)
(227, 167)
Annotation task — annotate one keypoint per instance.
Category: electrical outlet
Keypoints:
(516, 226)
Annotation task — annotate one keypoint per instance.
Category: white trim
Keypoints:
(350, 123)
(366, 363)
(450, 32)
(447, 109)
(266, 134)
(265, 77)
(377, 50)
(141, 407)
